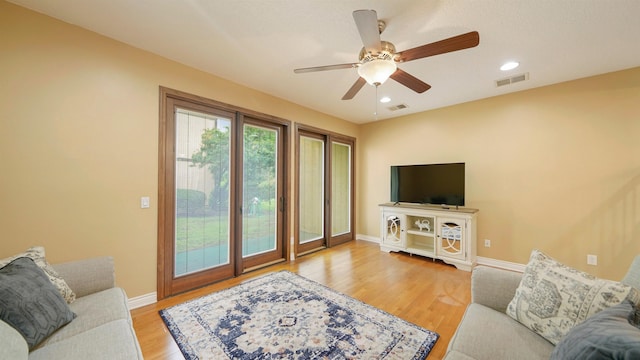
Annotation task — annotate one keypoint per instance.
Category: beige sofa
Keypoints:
(486, 332)
(102, 329)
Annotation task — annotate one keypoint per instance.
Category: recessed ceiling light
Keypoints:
(385, 99)
(510, 65)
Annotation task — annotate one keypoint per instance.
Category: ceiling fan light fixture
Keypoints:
(377, 71)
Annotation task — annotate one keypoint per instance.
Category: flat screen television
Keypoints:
(436, 184)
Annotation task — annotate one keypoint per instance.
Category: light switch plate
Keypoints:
(144, 202)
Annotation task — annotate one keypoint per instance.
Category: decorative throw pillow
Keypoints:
(552, 298)
(612, 333)
(37, 254)
(30, 303)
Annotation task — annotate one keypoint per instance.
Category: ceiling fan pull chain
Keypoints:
(376, 101)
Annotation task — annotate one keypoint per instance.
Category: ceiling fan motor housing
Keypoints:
(387, 52)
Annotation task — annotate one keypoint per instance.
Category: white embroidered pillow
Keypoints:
(552, 298)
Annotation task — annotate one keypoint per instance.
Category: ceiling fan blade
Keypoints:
(460, 42)
(354, 89)
(367, 23)
(324, 68)
(410, 81)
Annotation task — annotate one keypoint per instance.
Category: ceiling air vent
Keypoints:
(512, 80)
(398, 107)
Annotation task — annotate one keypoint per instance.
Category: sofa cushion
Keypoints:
(93, 311)
(88, 276)
(37, 254)
(612, 333)
(29, 302)
(552, 298)
(486, 334)
(456, 355)
(115, 340)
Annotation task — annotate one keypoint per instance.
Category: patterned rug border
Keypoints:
(181, 340)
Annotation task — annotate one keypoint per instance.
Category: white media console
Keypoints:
(439, 232)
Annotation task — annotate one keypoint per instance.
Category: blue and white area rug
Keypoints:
(285, 316)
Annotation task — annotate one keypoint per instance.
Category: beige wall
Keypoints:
(554, 168)
(79, 141)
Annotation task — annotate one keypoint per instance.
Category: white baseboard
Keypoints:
(479, 260)
(143, 300)
(507, 265)
(151, 298)
(368, 238)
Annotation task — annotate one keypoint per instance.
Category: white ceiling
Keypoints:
(258, 43)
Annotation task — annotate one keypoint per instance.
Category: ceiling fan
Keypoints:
(378, 59)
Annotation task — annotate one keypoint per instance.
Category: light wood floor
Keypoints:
(430, 294)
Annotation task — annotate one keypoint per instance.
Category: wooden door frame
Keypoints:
(341, 239)
(329, 138)
(301, 249)
(257, 261)
(165, 209)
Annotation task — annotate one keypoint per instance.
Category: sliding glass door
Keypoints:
(222, 182)
(341, 170)
(262, 194)
(202, 212)
(311, 194)
(324, 190)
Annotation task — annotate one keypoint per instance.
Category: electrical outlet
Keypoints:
(592, 259)
(487, 243)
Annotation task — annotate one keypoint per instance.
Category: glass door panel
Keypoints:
(260, 192)
(311, 192)
(222, 179)
(340, 189)
(201, 239)
(324, 190)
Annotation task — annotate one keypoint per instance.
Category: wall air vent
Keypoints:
(512, 80)
(398, 107)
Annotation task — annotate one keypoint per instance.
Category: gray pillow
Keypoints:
(610, 334)
(30, 303)
(37, 254)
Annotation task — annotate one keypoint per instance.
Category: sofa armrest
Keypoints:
(493, 287)
(12, 345)
(88, 276)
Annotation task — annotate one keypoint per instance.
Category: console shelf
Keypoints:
(446, 233)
